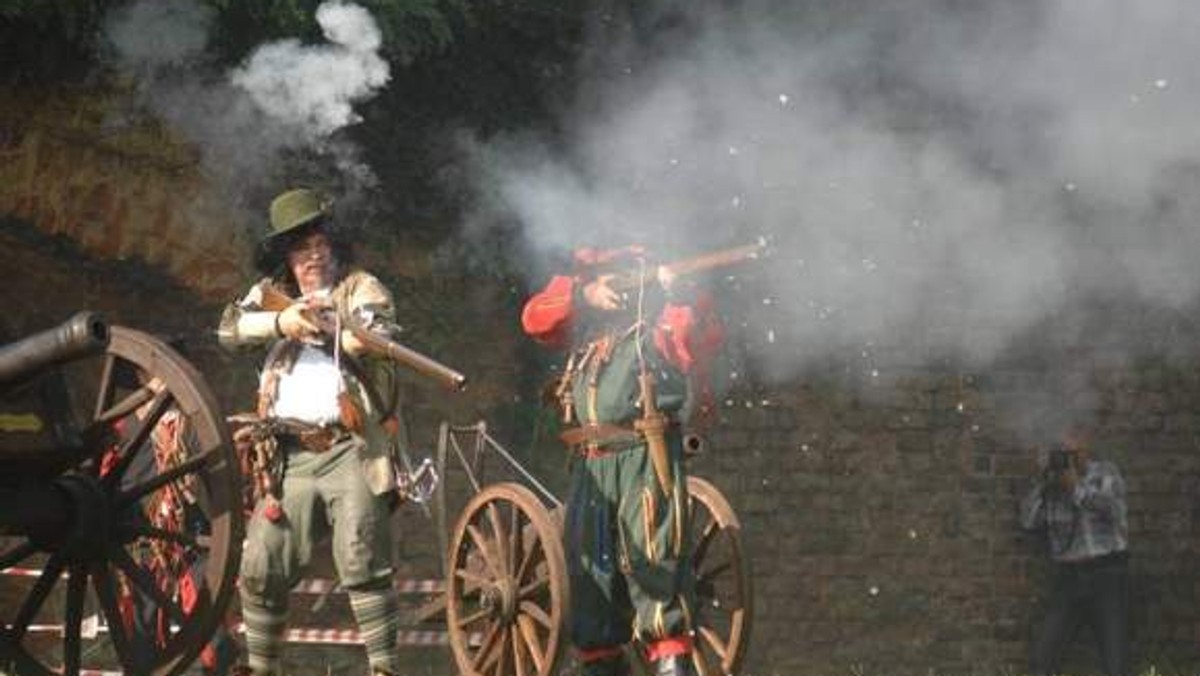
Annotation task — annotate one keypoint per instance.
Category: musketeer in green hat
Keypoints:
(326, 411)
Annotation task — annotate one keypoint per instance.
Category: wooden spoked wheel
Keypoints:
(506, 587)
(132, 541)
(723, 589)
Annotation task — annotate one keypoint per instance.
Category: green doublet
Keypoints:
(625, 538)
(616, 381)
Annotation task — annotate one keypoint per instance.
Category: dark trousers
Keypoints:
(626, 544)
(1095, 593)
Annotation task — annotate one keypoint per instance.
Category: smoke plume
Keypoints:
(937, 178)
(313, 89)
(272, 120)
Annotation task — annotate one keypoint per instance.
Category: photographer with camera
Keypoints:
(1080, 503)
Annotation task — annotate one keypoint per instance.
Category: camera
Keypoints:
(1058, 460)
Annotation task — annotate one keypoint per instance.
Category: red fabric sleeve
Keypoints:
(689, 336)
(547, 315)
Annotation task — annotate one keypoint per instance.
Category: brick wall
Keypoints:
(881, 519)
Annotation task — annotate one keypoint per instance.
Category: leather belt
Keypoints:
(595, 440)
(599, 433)
(313, 438)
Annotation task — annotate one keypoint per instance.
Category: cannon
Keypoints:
(120, 504)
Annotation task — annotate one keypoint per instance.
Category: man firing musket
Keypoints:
(631, 360)
(323, 318)
(326, 424)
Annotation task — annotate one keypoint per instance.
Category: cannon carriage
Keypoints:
(120, 503)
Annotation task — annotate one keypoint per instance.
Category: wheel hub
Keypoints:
(92, 518)
(501, 598)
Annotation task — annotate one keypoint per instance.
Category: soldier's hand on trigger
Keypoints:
(666, 278)
(296, 322)
(320, 311)
(598, 294)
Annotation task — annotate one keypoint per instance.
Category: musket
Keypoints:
(276, 300)
(629, 279)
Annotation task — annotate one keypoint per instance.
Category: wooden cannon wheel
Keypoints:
(723, 589)
(115, 557)
(506, 586)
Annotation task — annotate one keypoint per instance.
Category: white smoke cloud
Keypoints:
(314, 88)
(938, 179)
(273, 118)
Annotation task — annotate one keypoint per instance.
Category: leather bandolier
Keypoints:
(604, 426)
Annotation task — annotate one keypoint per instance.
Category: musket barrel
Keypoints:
(631, 279)
(448, 377)
(405, 356)
(84, 334)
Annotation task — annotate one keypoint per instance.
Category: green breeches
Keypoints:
(323, 494)
(627, 551)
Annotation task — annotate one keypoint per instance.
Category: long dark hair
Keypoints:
(271, 257)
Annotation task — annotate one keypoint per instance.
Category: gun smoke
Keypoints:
(938, 178)
(279, 110)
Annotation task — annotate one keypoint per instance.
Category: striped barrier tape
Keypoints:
(93, 625)
(314, 586)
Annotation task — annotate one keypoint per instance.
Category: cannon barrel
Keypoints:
(83, 334)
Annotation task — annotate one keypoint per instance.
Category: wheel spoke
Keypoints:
(146, 583)
(482, 545)
(535, 547)
(501, 538)
(531, 589)
(533, 610)
(189, 466)
(106, 385)
(128, 405)
(37, 596)
(16, 555)
(73, 621)
(706, 540)
(503, 646)
(103, 583)
(712, 640)
(518, 660)
(530, 636)
(17, 659)
(486, 648)
(132, 445)
(474, 617)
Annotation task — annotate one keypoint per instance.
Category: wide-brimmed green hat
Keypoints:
(296, 208)
(289, 213)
